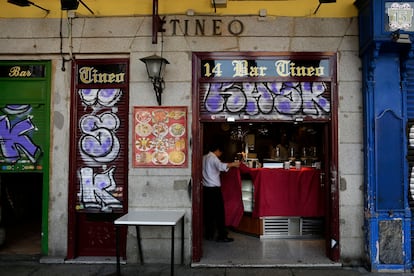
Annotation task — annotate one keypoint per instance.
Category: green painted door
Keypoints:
(24, 141)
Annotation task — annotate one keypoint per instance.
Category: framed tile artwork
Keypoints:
(160, 137)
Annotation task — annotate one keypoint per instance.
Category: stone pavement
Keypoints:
(31, 266)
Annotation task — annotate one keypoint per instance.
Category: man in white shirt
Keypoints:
(214, 218)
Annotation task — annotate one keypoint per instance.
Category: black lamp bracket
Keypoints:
(323, 2)
(157, 22)
(158, 85)
(37, 6)
(73, 5)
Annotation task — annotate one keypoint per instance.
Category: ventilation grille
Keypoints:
(312, 227)
(292, 227)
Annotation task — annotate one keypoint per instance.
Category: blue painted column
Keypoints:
(387, 212)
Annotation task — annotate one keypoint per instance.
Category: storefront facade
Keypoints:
(100, 42)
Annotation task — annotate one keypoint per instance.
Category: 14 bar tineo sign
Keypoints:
(160, 137)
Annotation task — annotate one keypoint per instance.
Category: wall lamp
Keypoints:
(218, 3)
(155, 70)
(398, 37)
(26, 3)
(73, 5)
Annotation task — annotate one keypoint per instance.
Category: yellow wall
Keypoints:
(298, 8)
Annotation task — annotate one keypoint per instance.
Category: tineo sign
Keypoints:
(203, 27)
(264, 67)
(91, 75)
(102, 74)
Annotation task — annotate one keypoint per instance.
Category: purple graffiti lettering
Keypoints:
(283, 106)
(252, 107)
(307, 86)
(99, 142)
(214, 101)
(289, 101)
(274, 87)
(15, 140)
(96, 189)
(265, 98)
(323, 103)
(17, 109)
(314, 102)
(88, 96)
(283, 99)
(234, 99)
(109, 97)
(103, 97)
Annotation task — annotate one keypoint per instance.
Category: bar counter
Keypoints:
(277, 192)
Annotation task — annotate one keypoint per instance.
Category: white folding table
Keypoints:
(150, 218)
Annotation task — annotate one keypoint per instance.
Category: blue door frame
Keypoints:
(387, 211)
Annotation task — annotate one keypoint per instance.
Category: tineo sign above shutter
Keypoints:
(102, 74)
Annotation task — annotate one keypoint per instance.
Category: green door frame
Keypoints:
(29, 83)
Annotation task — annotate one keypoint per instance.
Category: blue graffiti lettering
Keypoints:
(15, 140)
(99, 142)
(288, 100)
(103, 97)
(274, 98)
(96, 189)
(99, 146)
(17, 109)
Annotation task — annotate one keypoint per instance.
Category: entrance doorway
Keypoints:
(277, 239)
(226, 97)
(21, 213)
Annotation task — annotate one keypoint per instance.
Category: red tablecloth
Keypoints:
(277, 192)
(232, 196)
(280, 192)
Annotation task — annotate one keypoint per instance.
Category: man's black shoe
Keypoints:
(225, 240)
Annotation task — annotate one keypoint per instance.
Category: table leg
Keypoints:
(172, 250)
(182, 240)
(141, 257)
(118, 264)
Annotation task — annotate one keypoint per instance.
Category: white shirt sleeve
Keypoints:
(212, 166)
